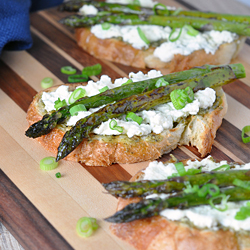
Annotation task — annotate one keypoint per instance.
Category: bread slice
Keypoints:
(198, 130)
(159, 233)
(120, 52)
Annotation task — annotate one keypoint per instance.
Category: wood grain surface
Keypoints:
(40, 210)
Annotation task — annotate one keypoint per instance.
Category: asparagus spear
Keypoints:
(50, 121)
(152, 207)
(126, 189)
(136, 103)
(199, 23)
(136, 9)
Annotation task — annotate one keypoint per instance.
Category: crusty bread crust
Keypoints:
(100, 150)
(118, 51)
(159, 233)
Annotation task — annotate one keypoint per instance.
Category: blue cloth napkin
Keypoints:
(15, 24)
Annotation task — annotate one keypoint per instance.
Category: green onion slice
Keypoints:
(113, 126)
(92, 70)
(48, 163)
(76, 109)
(190, 94)
(58, 175)
(193, 171)
(243, 213)
(143, 36)
(59, 103)
(191, 31)
(223, 167)
(177, 37)
(223, 198)
(46, 82)
(180, 168)
(162, 5)
(246, 129)
(177, 99)
(242, 184)
(78, 78)
(128, 82)
(191, 189)
(209, 188)
(131, 116)
(77, 94)
(68, 70)
(106, 26)
(135, 2)
(85, 226)
(161, 82)
(103, 89)
(176, 12)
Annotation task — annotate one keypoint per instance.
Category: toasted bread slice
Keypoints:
(159, 233)
(198, 130)
(118, 51)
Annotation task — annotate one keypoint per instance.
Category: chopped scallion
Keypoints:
(163, 7)
(176, 12)
(106, 26)
(142, 36)
(59, 103)
(58, 175)
(242, 184)
(113, 126)
(209, 188)
(133, 117)
(77, 94)
(68, 70)
(92, 70)
(190, 94)
(223, 203)
(161, 82)
(223, 167)
(243, 213)
(177, 99)
(246, 129)
(180, 168)
(128, 82)
(171, 34)
(76, 109)
(48, 163)
(86, 226)
(191, 31)
(78, 78)
(46, 82)
(103, 89)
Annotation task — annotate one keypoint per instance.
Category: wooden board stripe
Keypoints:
(67, 44)
(13, 85)
(23, 212)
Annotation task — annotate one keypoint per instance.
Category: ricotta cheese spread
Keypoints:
(185, 45)
(155, 120)
(201, 216)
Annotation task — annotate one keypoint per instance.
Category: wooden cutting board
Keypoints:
(40, 210)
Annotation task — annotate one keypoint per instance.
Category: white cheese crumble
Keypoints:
(88, 10)
(155, 120)
(201, 216)
(185, 45)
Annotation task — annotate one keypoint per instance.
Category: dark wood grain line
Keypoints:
(230, 137)
(239, 91)
(68, 45)
(107, 174)
(49, 58)
(25, 222)
(15, 87)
